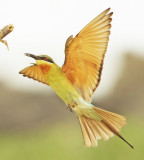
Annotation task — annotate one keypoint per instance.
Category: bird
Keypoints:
(78, 78)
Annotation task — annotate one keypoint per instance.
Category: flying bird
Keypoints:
(78, 78)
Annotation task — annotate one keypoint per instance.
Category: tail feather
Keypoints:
(94, 130)
(114, 119)
(92, 125)
(105, 129)
(86, 134)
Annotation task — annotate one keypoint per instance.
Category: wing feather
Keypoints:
(95, 20)
(84, 55)
(35, 73)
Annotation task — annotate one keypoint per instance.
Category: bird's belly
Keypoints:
(64, 90)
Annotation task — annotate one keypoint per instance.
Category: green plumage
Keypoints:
(61, 84)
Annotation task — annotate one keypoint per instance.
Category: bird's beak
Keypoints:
(33, 56)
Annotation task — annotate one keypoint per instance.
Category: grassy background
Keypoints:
(37, 125)
(64, 141)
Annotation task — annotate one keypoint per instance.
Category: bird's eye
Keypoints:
(45, 58)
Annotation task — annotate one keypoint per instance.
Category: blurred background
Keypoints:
(34, 122)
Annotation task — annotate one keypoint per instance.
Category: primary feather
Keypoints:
(35, 73)
(85, 54)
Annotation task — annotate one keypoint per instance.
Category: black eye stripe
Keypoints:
(46, 59)
(49, 60)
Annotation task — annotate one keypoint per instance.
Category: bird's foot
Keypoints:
(69, 108)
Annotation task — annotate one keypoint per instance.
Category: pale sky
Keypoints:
(42, 27)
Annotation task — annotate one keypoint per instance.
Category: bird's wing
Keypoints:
(84, 55)
(35, 73)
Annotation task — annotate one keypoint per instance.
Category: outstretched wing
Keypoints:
(84, 55)
(35, 73)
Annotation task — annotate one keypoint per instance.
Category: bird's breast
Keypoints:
(62, 85)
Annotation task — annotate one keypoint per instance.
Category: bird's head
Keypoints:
(41, 58)
(43, 61)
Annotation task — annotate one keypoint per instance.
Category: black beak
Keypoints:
(33, 56)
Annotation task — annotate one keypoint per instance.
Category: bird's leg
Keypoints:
(69, 108)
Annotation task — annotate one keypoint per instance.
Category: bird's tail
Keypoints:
(103, 127)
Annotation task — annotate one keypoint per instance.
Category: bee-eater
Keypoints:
(76, 81)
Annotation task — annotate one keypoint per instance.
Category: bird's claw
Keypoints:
(69, 108)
